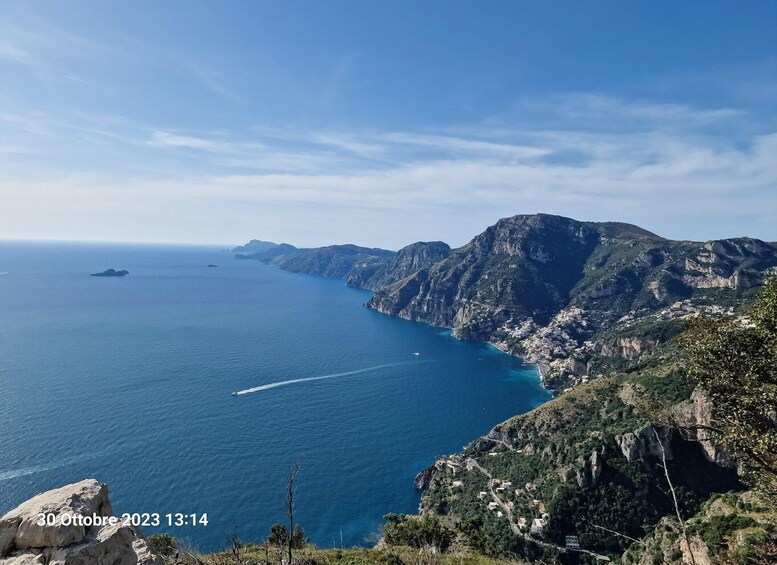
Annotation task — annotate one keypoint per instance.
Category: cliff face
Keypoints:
(535, 266)
(334, 261)
(733, 528)
(383, 272)
(522, 266)
(547, 288)
(361, 267)
(24, 542)
(589, 458)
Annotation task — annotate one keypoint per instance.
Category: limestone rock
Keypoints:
(627, 347)
(19, 528)
(549, 289)
(695, 554)
(697, 415)
(589, 470)
(24, 542)
(643, 445)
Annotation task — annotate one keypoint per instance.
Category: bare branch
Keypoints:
(674, 496)
(617, 533)
(288, 502)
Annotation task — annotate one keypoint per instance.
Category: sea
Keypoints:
(130, 381)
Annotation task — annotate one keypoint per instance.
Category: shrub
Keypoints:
(419, 532)
(162, 544)
(279, 535)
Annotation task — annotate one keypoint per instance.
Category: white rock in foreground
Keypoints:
(24, 542)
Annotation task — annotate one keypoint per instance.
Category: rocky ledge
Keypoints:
(66, 539)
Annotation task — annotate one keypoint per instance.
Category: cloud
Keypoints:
(205, 75)
(165, 139)
(687, 182)
(11, 52)
(467, 146)
(596, 106)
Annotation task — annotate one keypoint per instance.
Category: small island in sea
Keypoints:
(111, 273)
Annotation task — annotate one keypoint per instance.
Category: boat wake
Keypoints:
(60, 462)
(322, 377)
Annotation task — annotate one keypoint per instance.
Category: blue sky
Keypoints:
(383, 123)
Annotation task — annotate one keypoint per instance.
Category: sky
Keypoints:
(384, 123)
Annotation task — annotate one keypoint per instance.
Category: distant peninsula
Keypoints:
(111, 273)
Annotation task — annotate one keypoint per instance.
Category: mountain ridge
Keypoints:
(550, 289)
(543, 287)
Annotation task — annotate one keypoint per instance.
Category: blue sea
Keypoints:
(130, 380)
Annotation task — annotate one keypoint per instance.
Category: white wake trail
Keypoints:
(322, 377)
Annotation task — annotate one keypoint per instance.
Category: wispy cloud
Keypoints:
(14, 53)
(53, 53)
(658, 176)
(456, 144)
(589, 106)
(165, 139)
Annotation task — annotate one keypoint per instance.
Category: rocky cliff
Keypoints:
(335, 261)
(588, 463)
(735, 528)
(380, 273)
(254, 246)
(547, 288)
(64, 539)
(361, 267)
(332, 261)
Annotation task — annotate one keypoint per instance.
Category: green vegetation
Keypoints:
(557, 443)
(417, 531)
(593, 456)
(162, 544)
(717, 529)
(731, 529)
(259, 555)
(736, 364)
(279, 536)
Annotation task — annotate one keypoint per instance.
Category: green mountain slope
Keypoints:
(409, 260)
(361, 267)
(335, 261)
(550, 288)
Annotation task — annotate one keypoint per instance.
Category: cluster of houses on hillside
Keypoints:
(452, 463)
(678, 310)
(686, 308)
(504, 487)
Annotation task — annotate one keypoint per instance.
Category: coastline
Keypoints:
(542, 368)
